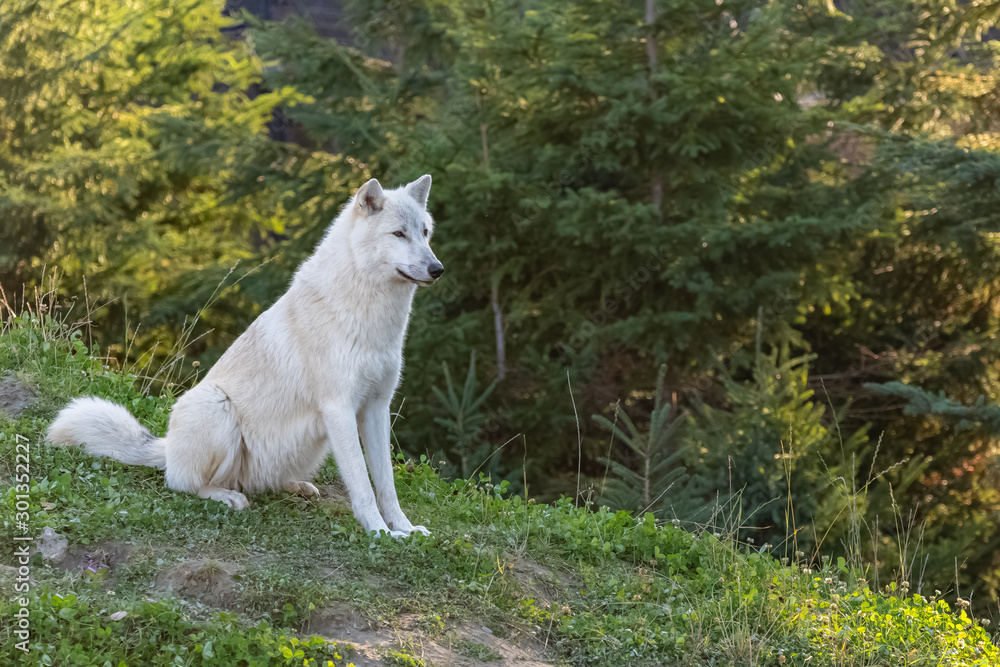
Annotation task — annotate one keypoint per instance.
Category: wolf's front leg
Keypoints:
(342, 434)
(373, 423)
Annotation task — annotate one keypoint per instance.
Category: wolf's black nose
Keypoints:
(435, 270)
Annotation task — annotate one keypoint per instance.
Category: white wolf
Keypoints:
(311, 373)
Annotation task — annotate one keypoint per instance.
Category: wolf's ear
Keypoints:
(370, 198)
(420, 189)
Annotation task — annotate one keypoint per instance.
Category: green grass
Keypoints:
(580, 587)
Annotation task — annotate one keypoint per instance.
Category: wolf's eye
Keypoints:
(425, 232)
(399, 235)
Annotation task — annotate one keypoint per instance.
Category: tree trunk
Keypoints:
(498, 327)
(656, 181)
(486, 149)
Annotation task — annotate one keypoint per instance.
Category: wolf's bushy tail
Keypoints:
(107, 429)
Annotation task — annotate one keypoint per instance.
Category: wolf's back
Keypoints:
(107, 429)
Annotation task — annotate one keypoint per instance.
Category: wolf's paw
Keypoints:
(234, 499)
(397, 530)
(378, 533)
(302, 488)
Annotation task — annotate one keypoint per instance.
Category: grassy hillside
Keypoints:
(150, 577)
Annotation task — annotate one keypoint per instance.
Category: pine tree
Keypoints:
(655, 479)
(772, 456)
(124, 130)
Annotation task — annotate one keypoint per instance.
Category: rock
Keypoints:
(52, 545)
(15, 396)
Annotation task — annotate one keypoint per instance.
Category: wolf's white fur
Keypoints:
(311, 373)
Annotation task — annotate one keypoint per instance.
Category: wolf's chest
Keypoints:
(363, 359)
(371, 353)
(354, 345)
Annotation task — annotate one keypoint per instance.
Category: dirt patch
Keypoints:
(335, 493)
(339, 620)
(97, 563)
(522, 652)
(206, 580)
(540, 582)
(15, 396)
(344, 623)
(468, 645)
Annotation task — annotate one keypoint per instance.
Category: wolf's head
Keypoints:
(392, 232)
